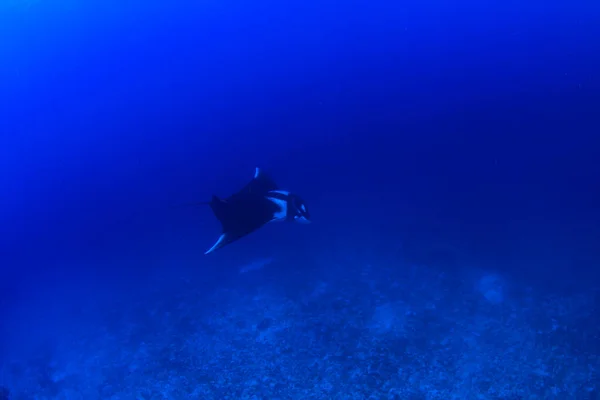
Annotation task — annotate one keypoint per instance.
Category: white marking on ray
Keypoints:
(283, 192)
(302, 208)
(216, 245)
(301, 219)
(256, 172)
(282, 204)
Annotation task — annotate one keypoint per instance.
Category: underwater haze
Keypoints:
(448, 154)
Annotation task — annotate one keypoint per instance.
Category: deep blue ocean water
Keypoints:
(448, 152)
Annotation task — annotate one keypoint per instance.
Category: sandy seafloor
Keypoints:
(354, 330)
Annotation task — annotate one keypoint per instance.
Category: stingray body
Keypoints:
(256, 204)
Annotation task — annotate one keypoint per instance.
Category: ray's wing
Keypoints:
(240, 215)
(260, 185)
(227, 214)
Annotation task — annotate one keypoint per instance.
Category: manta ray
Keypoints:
(256, 204)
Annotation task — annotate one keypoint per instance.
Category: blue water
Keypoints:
(449, 153)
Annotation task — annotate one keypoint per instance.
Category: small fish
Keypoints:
(256, 204)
